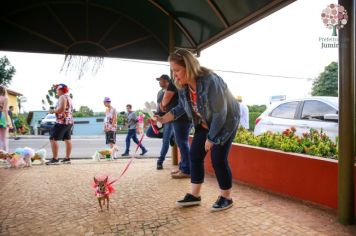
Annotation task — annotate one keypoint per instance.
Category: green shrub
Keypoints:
(21, 123)
(257, 108)
(252, 118)
(254, 112)
(312, 143)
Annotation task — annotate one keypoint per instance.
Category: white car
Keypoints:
(47, 123)
(303, 114)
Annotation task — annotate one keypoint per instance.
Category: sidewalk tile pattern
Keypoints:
(59, 200)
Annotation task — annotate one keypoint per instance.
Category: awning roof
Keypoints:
(137, 29)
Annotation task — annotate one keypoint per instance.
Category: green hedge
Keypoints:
(253, 116)
(313, 143)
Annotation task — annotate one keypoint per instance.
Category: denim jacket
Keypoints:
(217, 106)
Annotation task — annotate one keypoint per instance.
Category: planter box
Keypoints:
(299, 176)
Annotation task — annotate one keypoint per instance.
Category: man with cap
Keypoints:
(110, 123)
(181, 129)
(167, 135)
(64, 123)
(244, 113)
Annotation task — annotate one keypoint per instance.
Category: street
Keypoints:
(85, 146)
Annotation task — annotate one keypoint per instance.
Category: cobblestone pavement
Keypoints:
(59, 200)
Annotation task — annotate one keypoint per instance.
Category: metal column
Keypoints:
(346, 198)
(171, 49)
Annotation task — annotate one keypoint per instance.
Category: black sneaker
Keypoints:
(65, 161)
(125, 154)
(189, 200)
(159, 166)
(52, 162)
(143, 152)
(222, 204)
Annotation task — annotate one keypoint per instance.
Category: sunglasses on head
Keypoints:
(176, 53)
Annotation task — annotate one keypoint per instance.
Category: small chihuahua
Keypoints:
(103, 189)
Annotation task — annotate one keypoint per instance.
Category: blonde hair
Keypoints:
(3, 91)
(191, 64)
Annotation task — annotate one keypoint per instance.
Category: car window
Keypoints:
(315, 110)
(285, 110)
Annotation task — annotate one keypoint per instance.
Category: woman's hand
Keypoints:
(158, 118)
(208, 145)
(164, 119)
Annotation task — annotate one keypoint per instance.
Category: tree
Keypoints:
(50, 98)
(327, 82)
(254, 112)
(84, 111)
(7, 71)
(20, 101)
(257, 108)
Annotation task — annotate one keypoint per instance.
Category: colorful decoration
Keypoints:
(334, 16)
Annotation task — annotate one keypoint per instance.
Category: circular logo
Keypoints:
(334, 17)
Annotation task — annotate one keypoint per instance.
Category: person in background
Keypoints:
(5, 122)
(110, 123)
(62, 129)
(167, 134)
(11, 116)
(140, 122)
(206, 99)
(131, 123)
(10, 113)
(244, 113)
(181, 128)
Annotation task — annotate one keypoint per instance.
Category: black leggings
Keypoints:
(219, 159)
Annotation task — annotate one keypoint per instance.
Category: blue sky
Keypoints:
(286, 43)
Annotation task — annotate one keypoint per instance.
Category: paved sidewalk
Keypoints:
(59, 200)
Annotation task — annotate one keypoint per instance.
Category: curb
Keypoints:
(116, 159)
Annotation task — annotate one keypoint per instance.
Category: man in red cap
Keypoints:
(64, 124)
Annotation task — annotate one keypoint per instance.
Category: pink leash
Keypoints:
(129, 162)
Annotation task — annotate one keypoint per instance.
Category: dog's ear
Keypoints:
(95, 181)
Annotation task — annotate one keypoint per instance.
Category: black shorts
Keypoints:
(61, 132)
(110, 137)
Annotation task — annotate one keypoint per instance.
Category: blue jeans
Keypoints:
(165, 136)
(131, 134)
(181, 134)
(219, 159)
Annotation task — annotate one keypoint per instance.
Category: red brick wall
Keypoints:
(299, 176)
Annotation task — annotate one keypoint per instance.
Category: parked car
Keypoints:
(303, 114)
(46, 124)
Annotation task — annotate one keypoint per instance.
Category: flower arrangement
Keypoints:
(313, 143)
